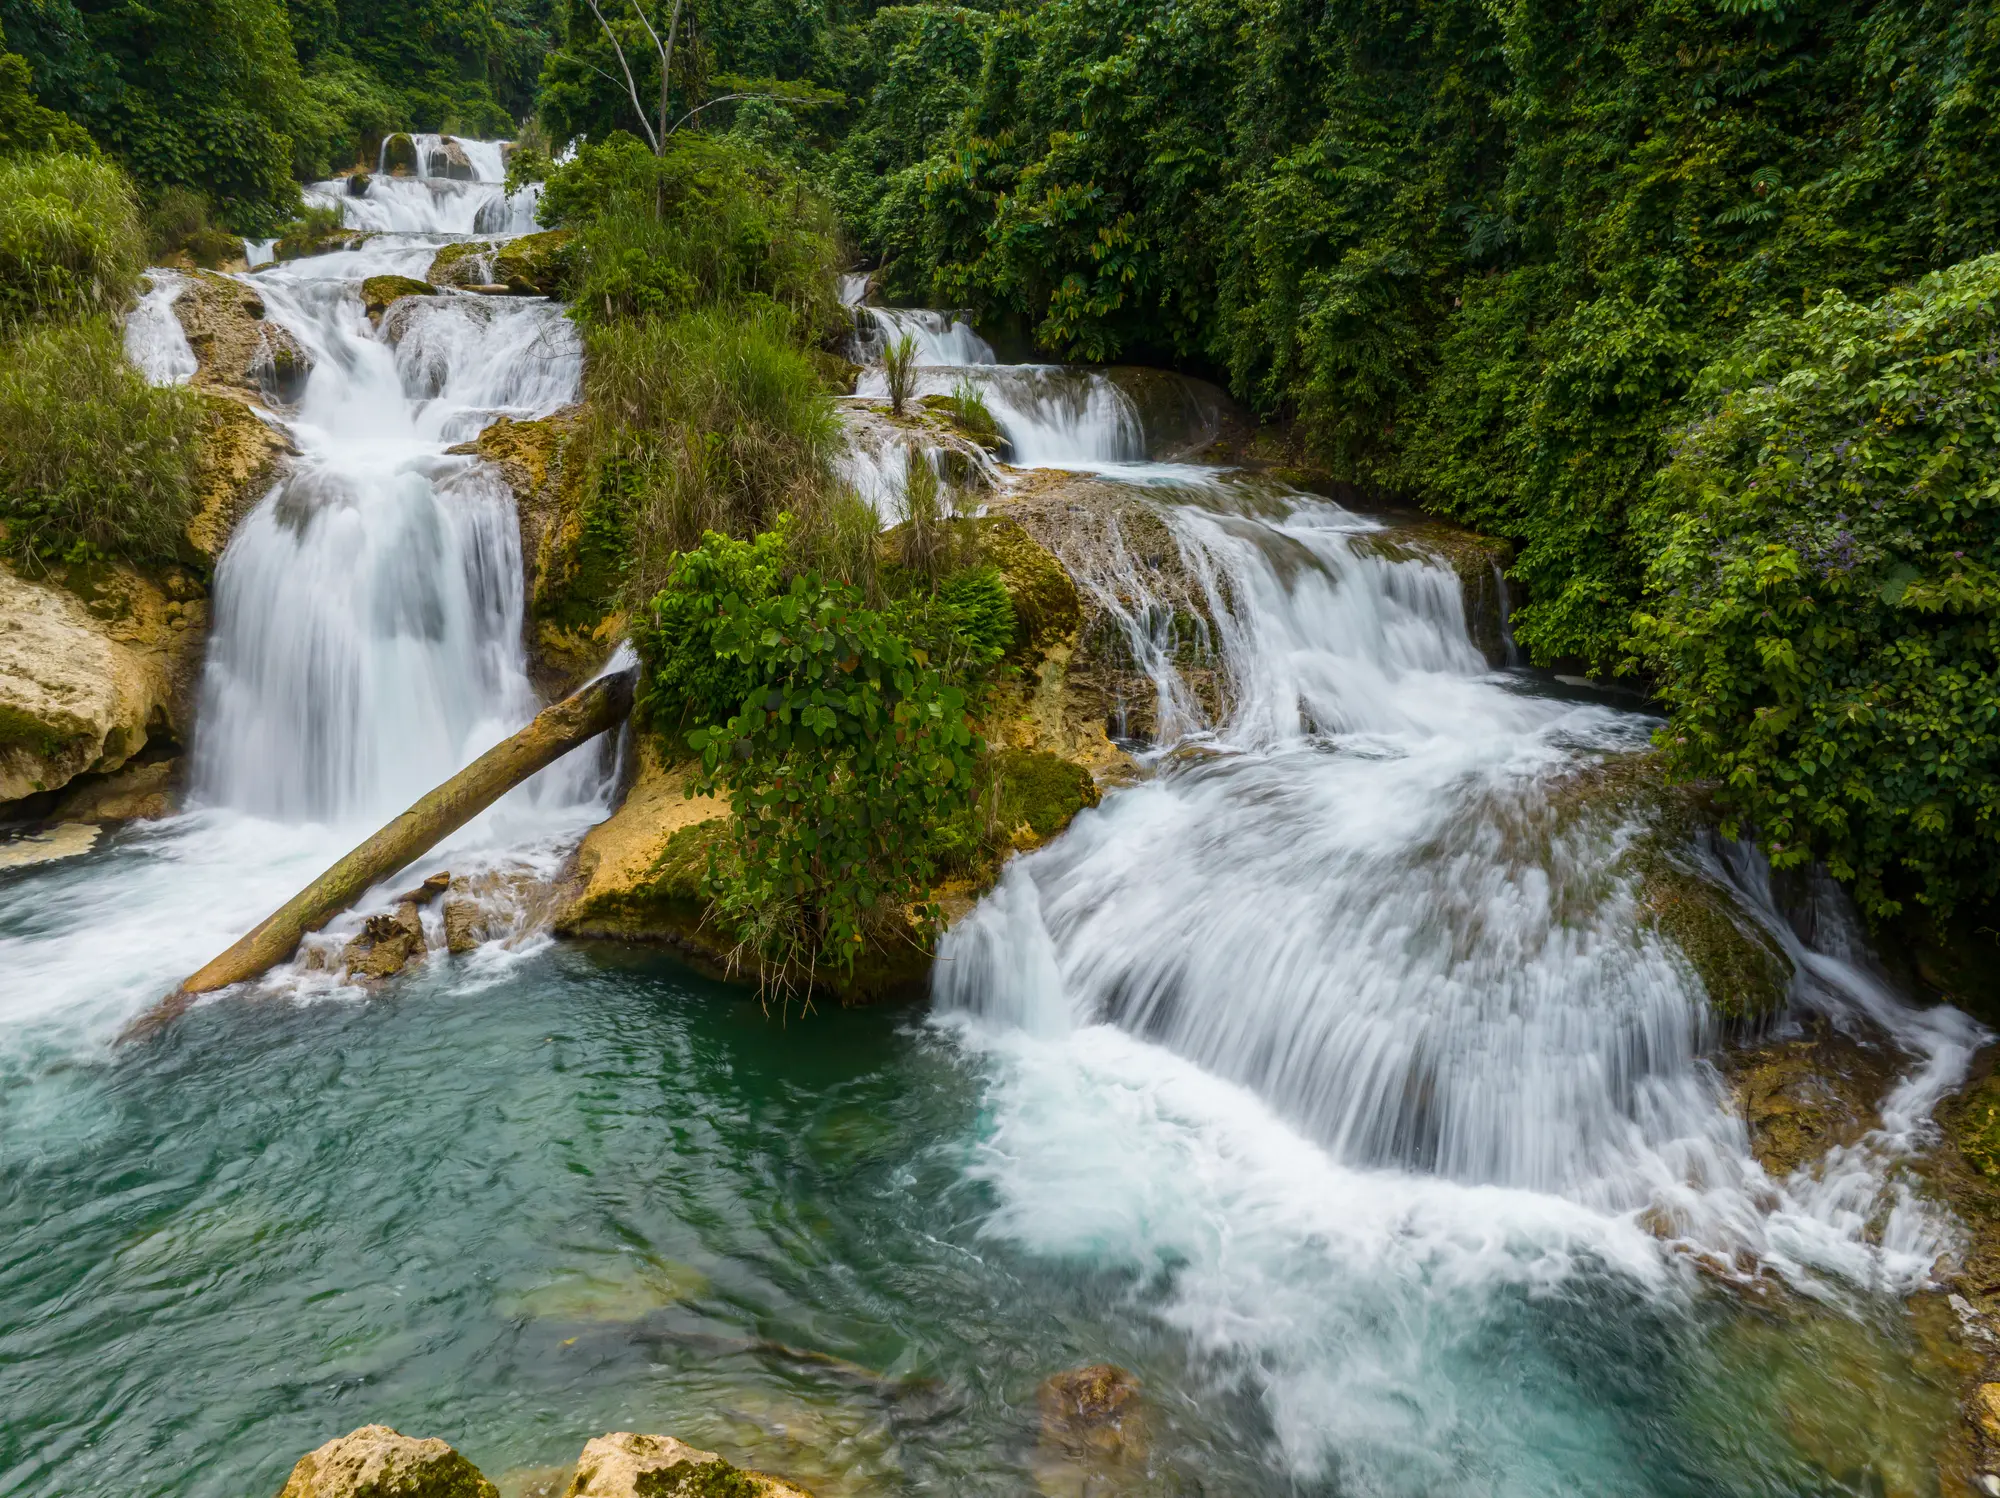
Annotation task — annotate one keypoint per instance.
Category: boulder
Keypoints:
(235, 349)
(448, 159)
(399, 156)
(75, 698)
(379, 292)
(534, 264)
(624, 1464)
(377, 1462)
(461, 265)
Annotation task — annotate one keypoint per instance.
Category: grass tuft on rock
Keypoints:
(71, 243)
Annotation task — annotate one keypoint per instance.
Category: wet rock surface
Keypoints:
(379, 293)
(377, 1462)
(236, 348)
(625, 1464)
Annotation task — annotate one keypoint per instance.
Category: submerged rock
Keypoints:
(1093, 1432)
(48, 845)
(625, 1464)
(377, 1462)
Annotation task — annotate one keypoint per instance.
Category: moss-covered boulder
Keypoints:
(1046, 609)
(625, 1464)
(377, 1462)
(399, 156)
(1036, 795)
(534, 264)
(969, 417)
(467, 263)
(1745, 973)
(379, 293)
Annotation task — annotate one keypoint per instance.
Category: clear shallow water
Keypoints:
(603, 1193)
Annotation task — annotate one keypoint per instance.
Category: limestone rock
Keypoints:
(1987, 1409)
(241, 456)
(463, 264)
(378, 292)
(448, 159)
(377, 1462)
(49, 845)
(73, 696)
(234, 347)
(464, 925)
(385, 944)
(304, 243)
(624, 1464)
(637, 873)
(135, 793)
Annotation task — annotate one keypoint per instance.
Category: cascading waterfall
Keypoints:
(1345, 1019)
(366, 638)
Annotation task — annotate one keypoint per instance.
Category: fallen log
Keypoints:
(555, 731)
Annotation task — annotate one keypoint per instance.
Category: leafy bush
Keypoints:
(94, 462)
(70, 238)
(1824, 596)
(24, 124)
(710, 223)
(690, 682)
(840, 764)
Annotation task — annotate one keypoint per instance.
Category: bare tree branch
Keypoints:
(632, 88)
(724, 99)
(666, 51)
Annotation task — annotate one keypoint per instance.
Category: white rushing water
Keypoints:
(1343, 1025)
(367, 618)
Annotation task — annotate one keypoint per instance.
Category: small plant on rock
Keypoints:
(899, 365)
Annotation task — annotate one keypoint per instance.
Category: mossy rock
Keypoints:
(716, 1479)
(1047, 611)
(459, 264)
(214, 249)
(534, 264)
(377, 1462)
(837, 372)
(1037, 795)
(378, 292)
(399, 156)
(1972, 1121)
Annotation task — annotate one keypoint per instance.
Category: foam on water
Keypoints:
(154, 338)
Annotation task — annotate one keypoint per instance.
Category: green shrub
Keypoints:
(1824, 597)
(689, 681)
(842, 761)
(25, 125)
(70, 238)
(710, 223)
(94, 462)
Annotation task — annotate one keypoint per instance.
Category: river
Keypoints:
(1325, 1076)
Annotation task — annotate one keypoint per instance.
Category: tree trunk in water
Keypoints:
(556, 730)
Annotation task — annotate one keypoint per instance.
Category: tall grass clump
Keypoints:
(94, 462)
(710, 421)
(71, 240)
(899, 366)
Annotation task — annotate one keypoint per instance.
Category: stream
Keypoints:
(1325, 1077)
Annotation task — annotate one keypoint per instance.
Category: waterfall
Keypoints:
(154, 338)
(368, 615)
